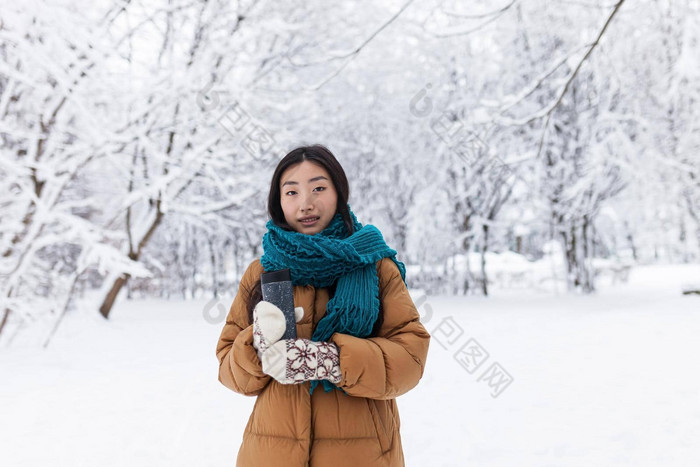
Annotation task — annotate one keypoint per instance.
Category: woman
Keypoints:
(358, 331)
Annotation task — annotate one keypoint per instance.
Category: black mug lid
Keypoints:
(275, 276)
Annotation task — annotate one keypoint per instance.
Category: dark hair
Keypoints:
(323, 157)
(320, 155)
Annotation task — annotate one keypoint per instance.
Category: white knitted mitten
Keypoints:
(294, 361)
(269, 325)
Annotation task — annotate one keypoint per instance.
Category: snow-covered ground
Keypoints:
(603, 380)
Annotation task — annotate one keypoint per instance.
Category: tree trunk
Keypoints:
(585, 263)
(108, 302)
(213, 262)
(484, 247)
(569, 243)
(4, 319)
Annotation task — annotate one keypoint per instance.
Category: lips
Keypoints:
(309, 220)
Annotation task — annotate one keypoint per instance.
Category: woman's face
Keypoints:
(306, 190)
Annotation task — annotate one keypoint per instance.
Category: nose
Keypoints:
(307, 204)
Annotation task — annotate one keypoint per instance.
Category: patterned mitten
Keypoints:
(293, 361)
(269, 325)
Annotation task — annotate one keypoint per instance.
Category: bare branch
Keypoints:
(571, 78)
(349, 56)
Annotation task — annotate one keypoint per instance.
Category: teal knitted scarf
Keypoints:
(331, 254)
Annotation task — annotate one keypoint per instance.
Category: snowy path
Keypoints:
(607, 380)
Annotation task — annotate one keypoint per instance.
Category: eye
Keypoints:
(292, 191)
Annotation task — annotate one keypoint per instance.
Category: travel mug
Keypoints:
(277, 289)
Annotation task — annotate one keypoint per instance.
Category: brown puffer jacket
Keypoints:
(291, 428)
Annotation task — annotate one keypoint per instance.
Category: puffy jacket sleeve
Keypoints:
(239, 366)
(387, 366)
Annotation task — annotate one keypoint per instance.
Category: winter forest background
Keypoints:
(138, 140)
(499, 146)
